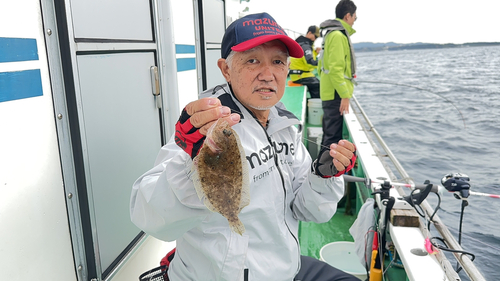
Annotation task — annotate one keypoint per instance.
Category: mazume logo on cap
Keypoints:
(263, 26)
(253, 30)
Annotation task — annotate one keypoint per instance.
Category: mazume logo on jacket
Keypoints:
(267, 153)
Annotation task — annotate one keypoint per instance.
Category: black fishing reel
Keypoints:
(457, 182)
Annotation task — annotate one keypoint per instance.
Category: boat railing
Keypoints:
(464, 260)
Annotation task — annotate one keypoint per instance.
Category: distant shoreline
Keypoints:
(391, 46)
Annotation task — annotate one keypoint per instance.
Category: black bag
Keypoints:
(159, 273)
(155, 274)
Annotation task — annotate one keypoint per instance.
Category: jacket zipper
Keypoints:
(282, 184)
(280, 172)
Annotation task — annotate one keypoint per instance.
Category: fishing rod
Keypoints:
(435, 188)
(456, 182)
(386, 202)
(451, 182)
(418, 88)
(485, 194)
(459, 184)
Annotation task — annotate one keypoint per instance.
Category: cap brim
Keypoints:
(293, 47)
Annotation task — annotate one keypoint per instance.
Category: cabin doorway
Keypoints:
(110, 66)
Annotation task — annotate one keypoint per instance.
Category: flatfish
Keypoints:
(220, 174)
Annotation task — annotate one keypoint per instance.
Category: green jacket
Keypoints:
(337, 60)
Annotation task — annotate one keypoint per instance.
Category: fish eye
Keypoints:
(227, 132)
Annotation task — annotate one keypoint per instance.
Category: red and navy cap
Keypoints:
(253, 30)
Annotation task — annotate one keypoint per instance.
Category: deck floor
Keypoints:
(293, 100)
(313, 236)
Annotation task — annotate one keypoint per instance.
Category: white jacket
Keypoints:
(283, 191)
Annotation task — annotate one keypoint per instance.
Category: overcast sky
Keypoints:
(400, 21)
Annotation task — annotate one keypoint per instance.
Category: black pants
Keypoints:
(332, 124)
(312, 84)
(315, 270)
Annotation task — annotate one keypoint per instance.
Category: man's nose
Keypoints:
(266, 73)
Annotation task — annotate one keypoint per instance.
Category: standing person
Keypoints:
(301, 69)
(284, 186)
(337, 67)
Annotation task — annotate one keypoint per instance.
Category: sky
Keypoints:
(399, 21)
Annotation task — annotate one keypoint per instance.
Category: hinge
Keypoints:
(155, 83)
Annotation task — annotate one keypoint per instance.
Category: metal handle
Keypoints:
(155, 85)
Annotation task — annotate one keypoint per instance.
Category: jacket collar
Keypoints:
(302, 38)
(279, 117)
(347, 27)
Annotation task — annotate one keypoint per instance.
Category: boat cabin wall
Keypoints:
(80, 122)
(35, 239)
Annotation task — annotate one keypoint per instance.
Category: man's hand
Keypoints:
(336, 162)
(343, 155)
(344, 106)
(196, 118)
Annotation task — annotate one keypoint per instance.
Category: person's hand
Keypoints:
(196, 118)
(318, 49)
(339, 160)
(344, 106)
(344, 156)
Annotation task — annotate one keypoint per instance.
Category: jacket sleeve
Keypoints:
(308, 53)
(316, 198)
(336, 63)
(164, 202)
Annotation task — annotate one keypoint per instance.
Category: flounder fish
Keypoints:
(220, 174)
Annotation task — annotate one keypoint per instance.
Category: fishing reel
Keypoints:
(458, 183)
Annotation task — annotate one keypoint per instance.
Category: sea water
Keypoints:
(438, 110)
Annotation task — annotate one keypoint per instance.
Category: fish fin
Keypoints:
(237, 226)
(195, 177)
(245, 187)
(197, 186)
(209, 205)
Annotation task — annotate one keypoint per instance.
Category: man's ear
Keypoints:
(224, 69)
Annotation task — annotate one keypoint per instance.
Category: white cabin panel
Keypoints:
(188, 91)
(185, 51)
(214, 25)
(120, 125)
(183, 23)
(35, 239)
(214, 76)
(213, 14)
(111, 19)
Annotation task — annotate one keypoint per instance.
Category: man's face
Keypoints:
(350, 18)
(258, 75)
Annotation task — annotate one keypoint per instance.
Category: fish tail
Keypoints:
(237, 226)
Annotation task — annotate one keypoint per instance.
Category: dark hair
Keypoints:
(312, 29)
(344, 7)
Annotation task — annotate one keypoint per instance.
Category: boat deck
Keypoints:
(313, 236)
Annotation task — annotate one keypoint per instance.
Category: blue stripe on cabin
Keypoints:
(20, 85)
(184, 64)
(18, 49)
(184, 49)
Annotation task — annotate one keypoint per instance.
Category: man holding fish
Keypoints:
(233, 183)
